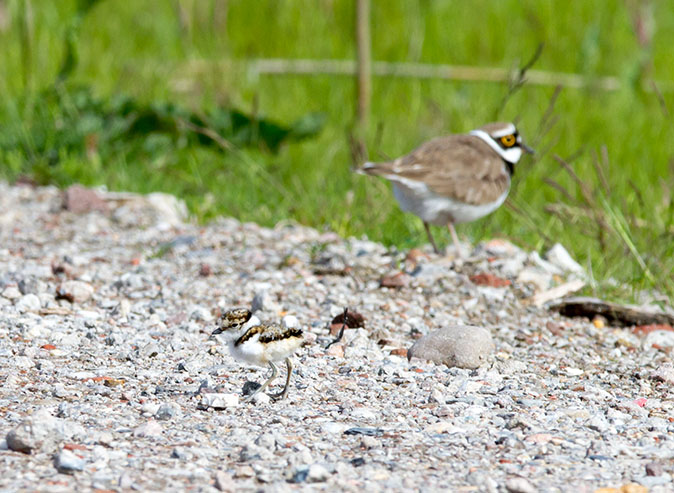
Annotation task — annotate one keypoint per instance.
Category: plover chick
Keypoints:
(259, 344)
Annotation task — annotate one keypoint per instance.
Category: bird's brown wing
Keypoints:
(461, 167)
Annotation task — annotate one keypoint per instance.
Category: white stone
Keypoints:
(28, 303)
(559, 257)
(220, 401)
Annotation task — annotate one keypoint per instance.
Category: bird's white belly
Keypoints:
(256, 353)
(417, 198)
(250, 351)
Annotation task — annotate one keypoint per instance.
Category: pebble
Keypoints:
(224, 482)
(75, 291)
(560, 257)
(35, 432)
(167, 411)
(68, 463)
(149, 429)
(28, 303)
(459, 345)
(219, 401)
(116, 379)
(519, 485)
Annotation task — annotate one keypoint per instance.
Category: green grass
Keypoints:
(140, 49)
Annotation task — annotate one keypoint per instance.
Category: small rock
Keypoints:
(150, 350)
(653, 481)
(166, 411)
(28, 303)
(539, 278)
(149, 429)
(398, 280)
(290, 322)
(205, 270)
(659, 339)
(664, 374)
(266, 440)
(463, 346)
(317, 474)
(368, 442)
(74, 291)
(169, 210)
(35, 432)
(314, 473)
(79, 200)
(200, 314)
(486, 279)
(224, 482)
(559, 257)
(336, 350)
(437, 396)
(23, 362)
(67, 462)
(262, 301)
(180, 453)
(30, 286)
(654, 469)
(11, 292)
(519, 485)
(219, 401)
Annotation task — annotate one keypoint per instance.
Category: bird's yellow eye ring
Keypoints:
(508, 140)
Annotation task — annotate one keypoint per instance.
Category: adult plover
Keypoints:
(455, 179)
(260, 344)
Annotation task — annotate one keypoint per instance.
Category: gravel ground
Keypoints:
(109, 381)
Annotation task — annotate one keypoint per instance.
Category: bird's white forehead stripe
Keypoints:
(508, 130)
(511, 155)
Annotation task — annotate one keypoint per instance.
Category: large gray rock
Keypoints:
(38, 431)
(464, 346)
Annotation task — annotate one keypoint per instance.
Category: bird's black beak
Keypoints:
(527, 149)
(216, 332)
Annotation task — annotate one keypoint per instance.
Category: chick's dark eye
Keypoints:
(508, 140)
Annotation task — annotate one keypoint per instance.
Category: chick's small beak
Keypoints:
(215, 333)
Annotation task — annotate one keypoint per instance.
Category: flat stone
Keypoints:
(463, 346)
(519, 485)
(219, 401)
(68, 463)
(79, 200)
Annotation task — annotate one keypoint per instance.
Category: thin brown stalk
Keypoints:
(208, 132)
(599, 169)
(661, 99)
(637, 192)
(548, 120)
(518, 81)
(560, 188)
(585, 191)
(533, 224)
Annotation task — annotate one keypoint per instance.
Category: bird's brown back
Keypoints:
(461, 167)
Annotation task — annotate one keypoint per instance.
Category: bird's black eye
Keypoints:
(508, 140)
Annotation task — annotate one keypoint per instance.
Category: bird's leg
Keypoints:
(430, 238)
(455, 239)
(274, 373)
(284, 392)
